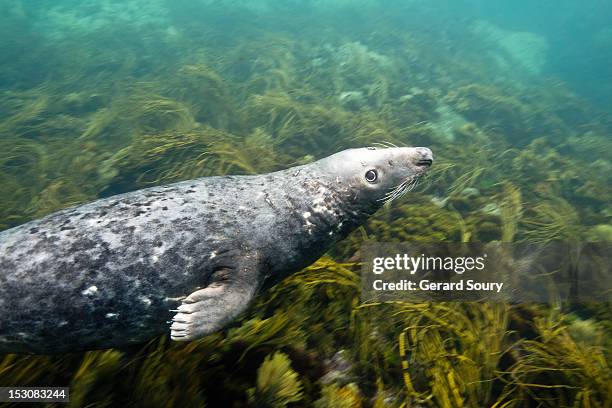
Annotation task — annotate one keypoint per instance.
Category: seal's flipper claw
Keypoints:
(209, 309)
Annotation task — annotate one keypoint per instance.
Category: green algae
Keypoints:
(277, 384)
(342, 397)
(551, 221)
(555, 367)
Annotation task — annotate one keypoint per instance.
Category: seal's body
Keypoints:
(193, 254)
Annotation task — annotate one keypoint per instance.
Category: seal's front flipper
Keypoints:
(207, 310)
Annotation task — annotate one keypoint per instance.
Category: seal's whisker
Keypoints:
(390, 144)
(384, 144)
(411, 186)
(392, 192)
(380, 144)
(404, 187)
(391, 195)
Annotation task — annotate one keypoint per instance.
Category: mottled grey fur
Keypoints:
(185, 258)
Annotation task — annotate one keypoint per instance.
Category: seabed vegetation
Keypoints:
(91, 110)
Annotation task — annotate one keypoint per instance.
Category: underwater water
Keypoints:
(100, 97)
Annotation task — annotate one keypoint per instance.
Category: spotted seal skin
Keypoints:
(186, 258)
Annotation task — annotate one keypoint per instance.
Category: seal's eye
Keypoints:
(371, 176)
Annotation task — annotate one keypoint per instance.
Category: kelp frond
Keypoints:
(277, 384)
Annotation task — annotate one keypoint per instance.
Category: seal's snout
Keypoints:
(425, 162)
(424, 157)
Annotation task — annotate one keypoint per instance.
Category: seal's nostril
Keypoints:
(425, 156)
(424, 151)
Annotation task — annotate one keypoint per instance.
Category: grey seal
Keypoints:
(185, 258)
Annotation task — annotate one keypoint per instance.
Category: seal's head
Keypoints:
(376, 175)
